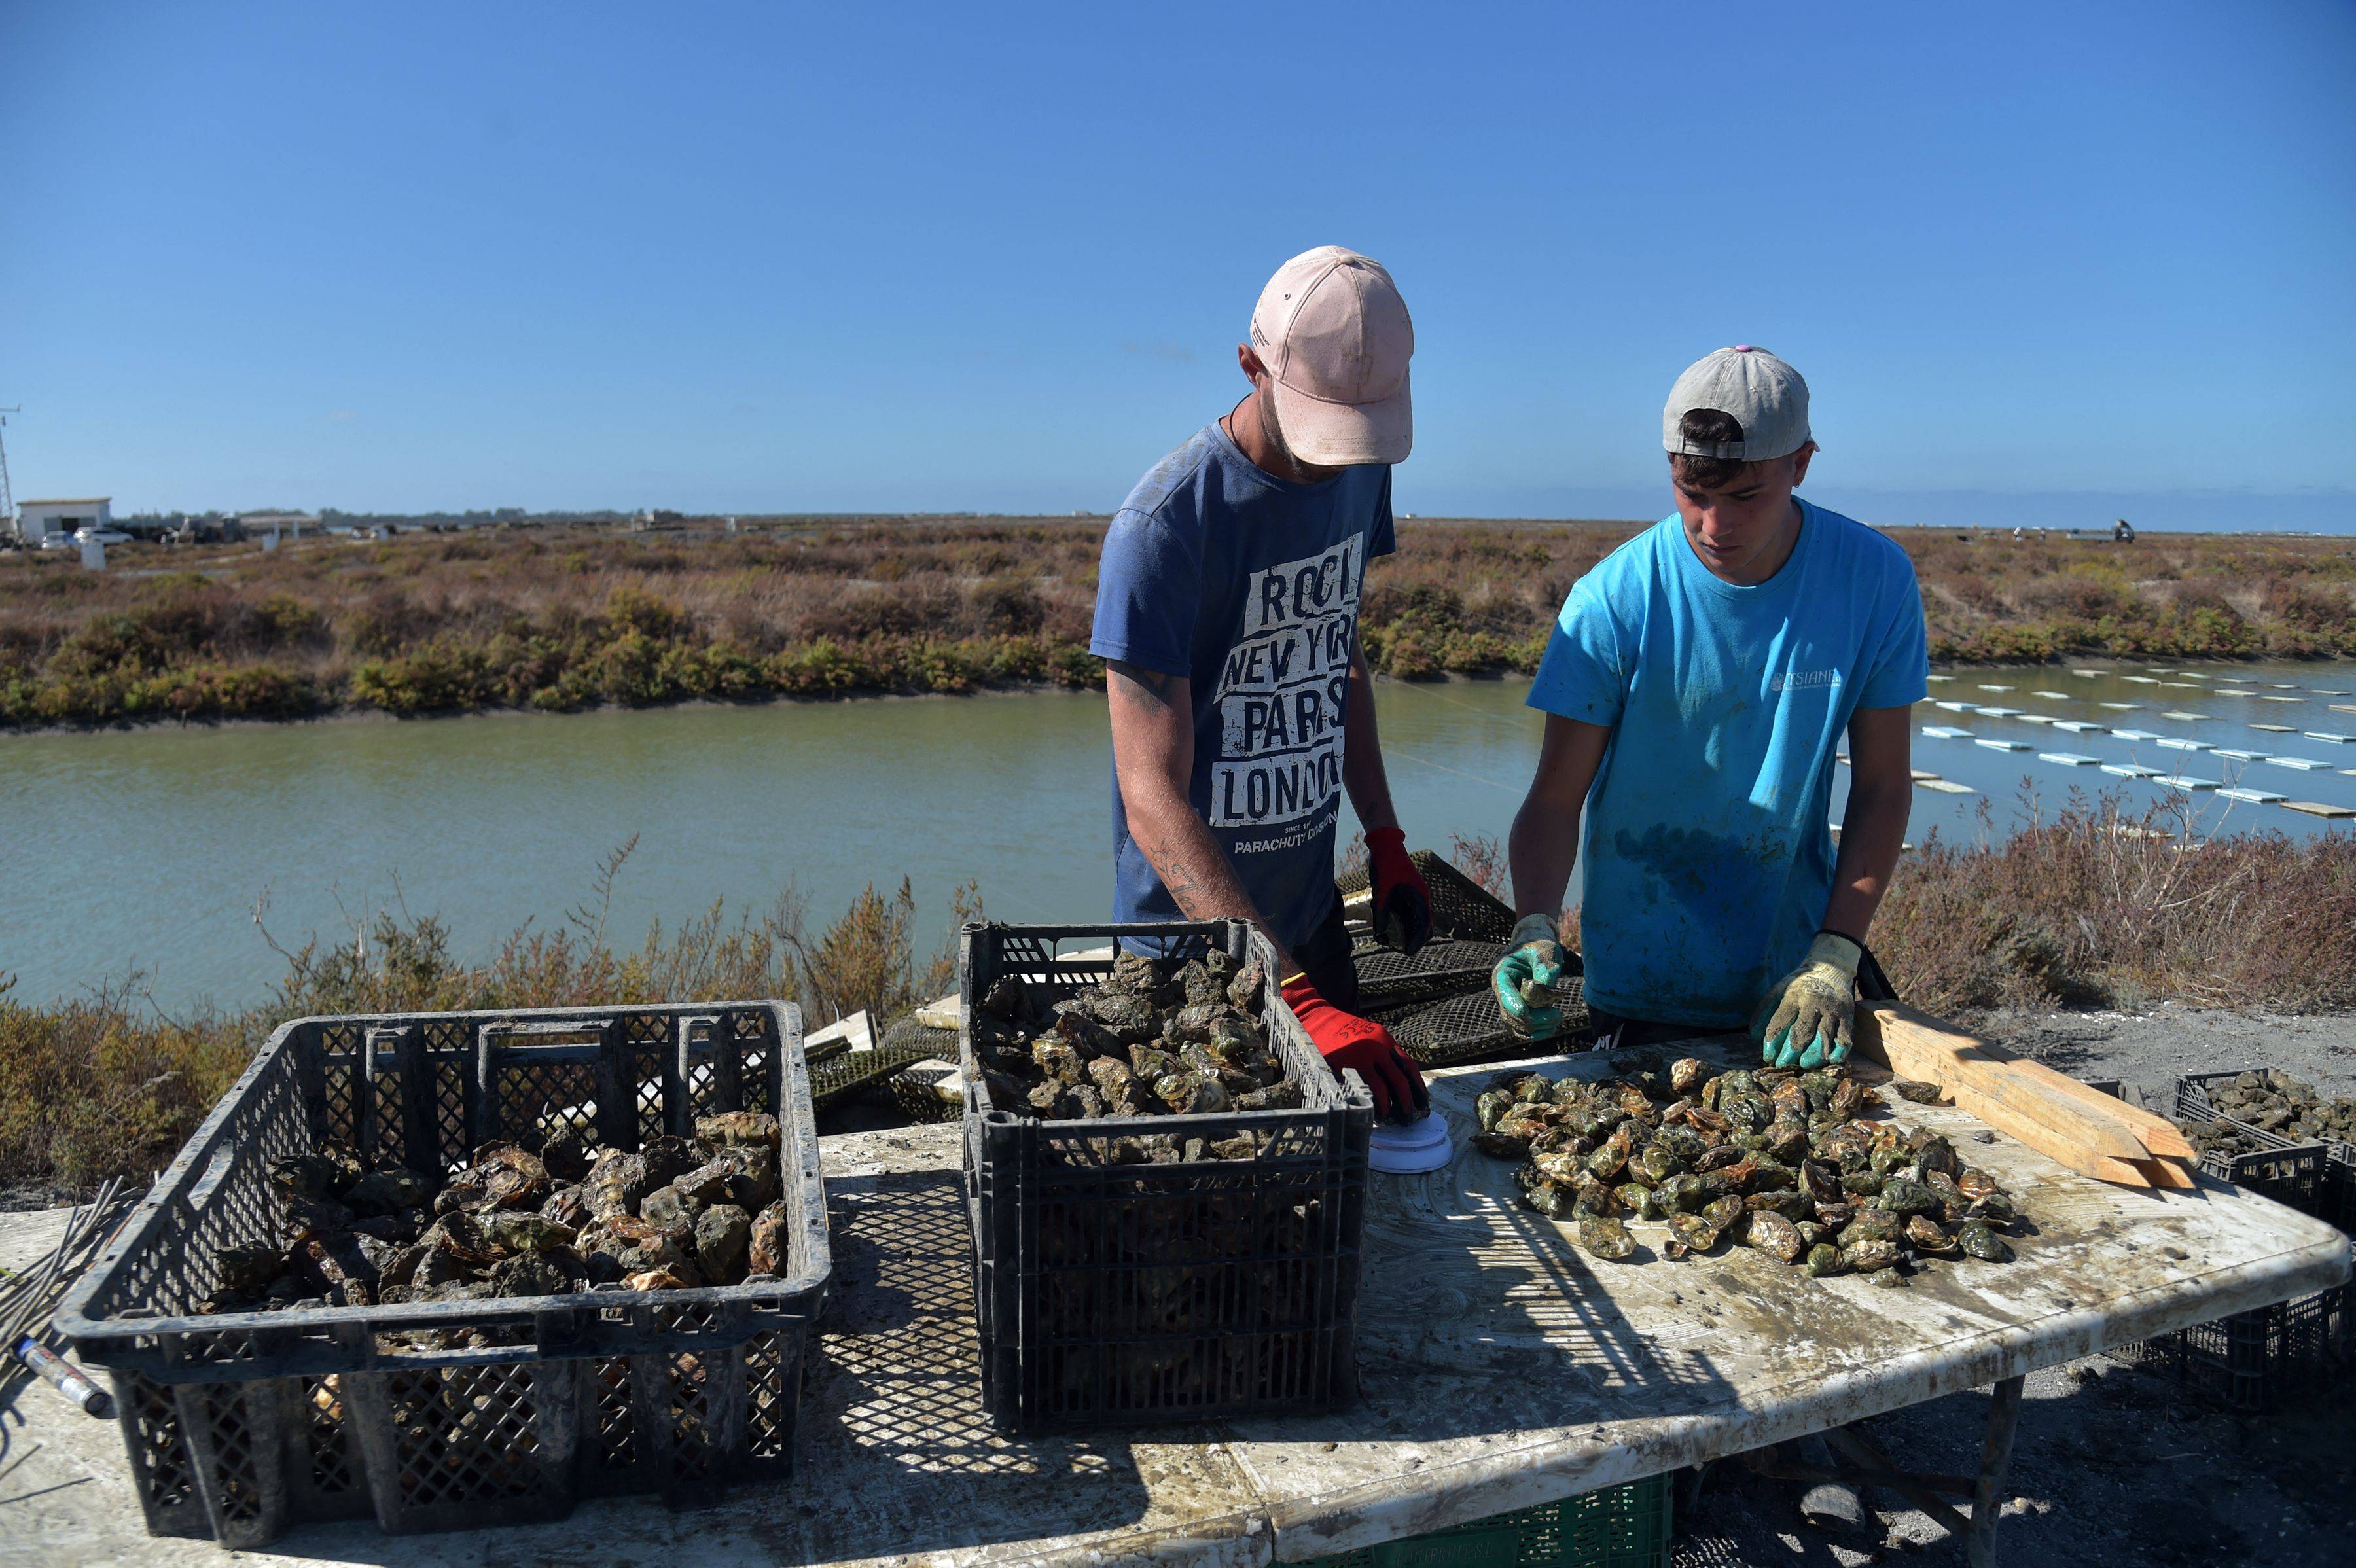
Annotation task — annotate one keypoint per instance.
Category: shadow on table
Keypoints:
(896, 1451)
(1480, 1317)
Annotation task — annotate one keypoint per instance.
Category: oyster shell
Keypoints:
(1773, 1234)
(1978, 1239)
(1605, 1237)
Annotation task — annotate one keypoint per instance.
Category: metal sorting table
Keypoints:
(1502, 1367)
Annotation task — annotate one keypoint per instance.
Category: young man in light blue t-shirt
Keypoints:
(1697, 686)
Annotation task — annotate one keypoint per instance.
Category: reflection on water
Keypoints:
(149, 849)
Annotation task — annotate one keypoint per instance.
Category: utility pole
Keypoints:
(8, 498)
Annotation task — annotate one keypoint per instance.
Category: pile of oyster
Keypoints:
(1155, 1037)
(2274, 1101)
(2226, 1139)
(1778, 1159)
(543, 1217)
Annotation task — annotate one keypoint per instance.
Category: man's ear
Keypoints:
(1248, 358)
(1800, 463)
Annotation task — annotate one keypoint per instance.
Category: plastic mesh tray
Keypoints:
(914, 1088)
(1469, 1028)
(1444, 967)
(1461, 908)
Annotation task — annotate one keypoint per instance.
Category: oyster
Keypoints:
(1924, 1235)
(1773, 1234)
(247, 1266)
(1900, 1196)
(1824, 1259)
(1918, 1091)
(1978, 1239)
(735, 1128)
(1695, 1232)
(723, 1233)
(1719, 1213)
(1605, 1237)
(1686, 1073)
(1550, 1198)
(1865, 1257)
(388, 1191)
(767, 1253)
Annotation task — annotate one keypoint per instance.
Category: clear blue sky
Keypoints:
(2035, 261)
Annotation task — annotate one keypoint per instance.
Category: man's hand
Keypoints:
(1402, 903)
(1525, 977)
(1345, 1040)
(1806, 1018)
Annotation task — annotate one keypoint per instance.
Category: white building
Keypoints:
(290, 524)
(36, 521)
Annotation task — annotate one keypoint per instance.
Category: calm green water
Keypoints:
(149, 849)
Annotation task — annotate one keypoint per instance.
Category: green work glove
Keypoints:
(1525, 978)
(1804, 1019)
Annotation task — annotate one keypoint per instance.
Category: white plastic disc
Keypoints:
(1421, 1145)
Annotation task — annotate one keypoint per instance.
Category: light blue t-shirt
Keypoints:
(1707, 855)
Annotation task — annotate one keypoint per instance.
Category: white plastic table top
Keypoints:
(1501, 1367)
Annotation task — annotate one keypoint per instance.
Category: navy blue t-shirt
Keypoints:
(1248, 587)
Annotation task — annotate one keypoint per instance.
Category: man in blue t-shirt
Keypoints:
(1228, 616)
(1697, 686)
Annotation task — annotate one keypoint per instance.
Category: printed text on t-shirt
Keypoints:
(1284, 690)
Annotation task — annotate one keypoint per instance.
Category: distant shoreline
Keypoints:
(579, 619)
(352, 713)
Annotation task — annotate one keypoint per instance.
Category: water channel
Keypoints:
(148, 850)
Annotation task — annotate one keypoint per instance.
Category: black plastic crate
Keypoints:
(2297, 1175)
(1113, 1294)
(2251, 1361)
(238, 1424)
(2254, 1361)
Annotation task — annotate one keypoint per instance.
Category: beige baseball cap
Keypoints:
(1333, 332)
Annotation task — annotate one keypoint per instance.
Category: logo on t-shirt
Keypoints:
(1284, 688)
(1804, 680)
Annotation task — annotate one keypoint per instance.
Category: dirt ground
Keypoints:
(2111, 1464)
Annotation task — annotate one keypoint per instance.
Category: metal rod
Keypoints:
(2004, 1420)
(65, 1377)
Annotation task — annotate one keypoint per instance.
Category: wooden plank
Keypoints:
(2168, 1174)
(2157, 1133)
(1922, 1046)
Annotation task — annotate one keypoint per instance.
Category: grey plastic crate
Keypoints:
(238, 1424)
(1120, 1294)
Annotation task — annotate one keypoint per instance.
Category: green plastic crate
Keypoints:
(1619, 1527)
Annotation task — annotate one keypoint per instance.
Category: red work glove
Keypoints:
(1402, 903)
(1345, 1040)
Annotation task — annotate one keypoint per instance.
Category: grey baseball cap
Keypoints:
(1761, 393)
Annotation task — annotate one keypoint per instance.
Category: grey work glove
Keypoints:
(1806, 1018)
